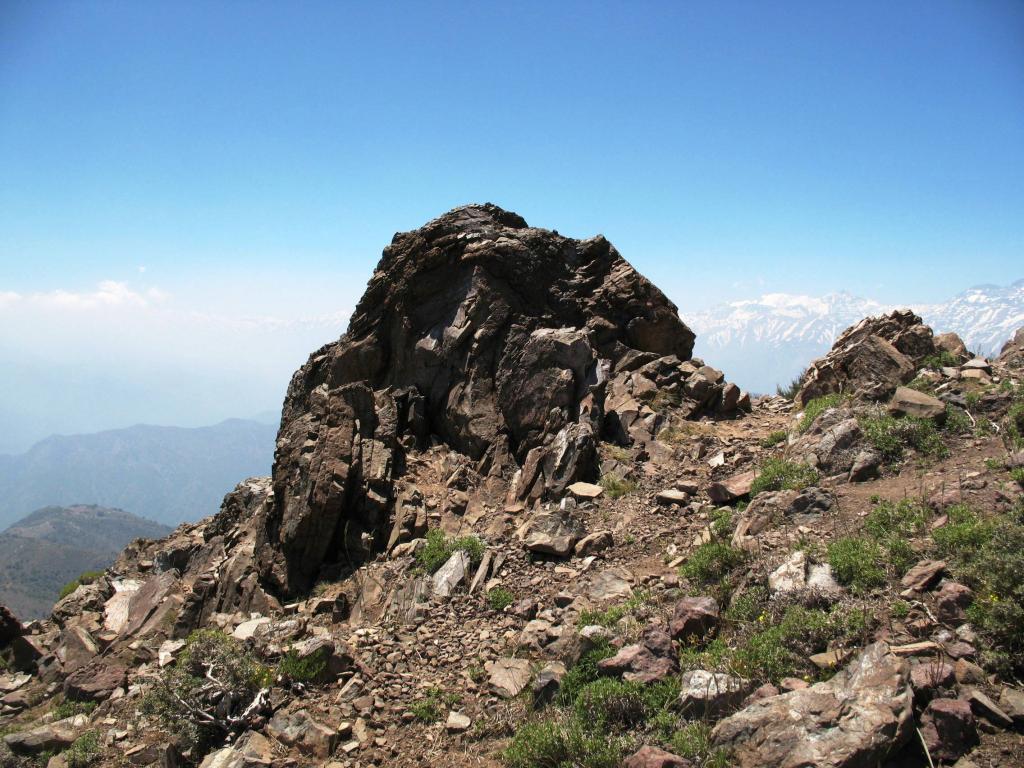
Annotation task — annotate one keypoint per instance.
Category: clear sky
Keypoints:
(195, 193)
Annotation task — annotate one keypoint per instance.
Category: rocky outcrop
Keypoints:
(870, 359)
(10, 627)
(854, 720)
(1012, 353)
(497, 339)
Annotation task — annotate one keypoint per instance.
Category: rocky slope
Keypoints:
(512, 522)
(51, 547)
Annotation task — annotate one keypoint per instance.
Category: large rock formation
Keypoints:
(1012, 353)
(870, 359)
(490, 336)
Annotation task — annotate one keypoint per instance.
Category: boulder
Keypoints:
(711, 694)
(654, 757)
(300, 730)
(552, 533)
(95, 682)
(648, 661)
(51, 737)
(951, 602)
(870, 359)
(910, 402)
(592, 543)
(856, 719)
(923, 575)
(732, 488)
(585, 491)
(10, 627)
(509, 676)
(948, 729)
(694, 618)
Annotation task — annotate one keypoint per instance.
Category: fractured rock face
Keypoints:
(481, 332)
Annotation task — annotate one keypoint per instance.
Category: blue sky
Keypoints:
(247, 160)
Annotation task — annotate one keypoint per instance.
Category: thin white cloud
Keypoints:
(108, 294)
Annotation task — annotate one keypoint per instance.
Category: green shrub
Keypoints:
(439, 548)
(774, 438)
(583, 672)
(563, 743)
(693, 742)
(957, 421)
(299, 669)
(432, 707)
(84, 751)
(891, 524)
(940, 360)
(782, 475)
(1017, 475)
(891, 436)
(711, 562)
(856, 562)
(68, 708)
(500, 598)
(1015, 425)
(616, 487)
(816, 407)
(609, 701)
(790, 390)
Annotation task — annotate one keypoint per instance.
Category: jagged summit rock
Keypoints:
(480, 332)
(870, 359)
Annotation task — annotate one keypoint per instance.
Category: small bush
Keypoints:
(616, 487)
(940, 360)
(721, 522)
(84, 751)
(957, 421)
(583, 672)
(816, 407)
(1014, 424)
(782, 475)
(1017, 475)
(609, 701)
(499, 598)
(856, 562)
(774, 438)
(693, 742)
(891, 436)
(439, 548)
(303, 670)
(789, 390)
(563, 743)
(711, 562)
(432, 707)
(68, 708)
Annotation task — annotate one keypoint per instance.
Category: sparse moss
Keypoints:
(783, 475)
(616, 487)
(774, 438)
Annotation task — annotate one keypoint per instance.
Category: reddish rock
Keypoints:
(653, 757)
(929, 676)
(948, 729)
(951, 602)
(95, 682)
(923, 575)
(694, 617)
(731, 488)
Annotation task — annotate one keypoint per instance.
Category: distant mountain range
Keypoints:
(763, 342)
(52, 546)
(167, 474)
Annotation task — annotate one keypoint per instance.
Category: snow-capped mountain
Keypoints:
(984, 316)
(764, 342)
